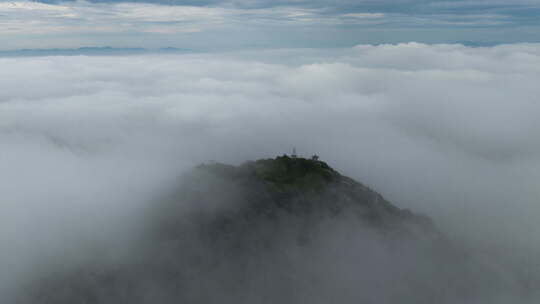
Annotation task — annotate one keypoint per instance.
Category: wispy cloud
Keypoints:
(268, 23)
(32, 17)
(364, 15)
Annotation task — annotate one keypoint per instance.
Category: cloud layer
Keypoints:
(447, 130)
(202, 24)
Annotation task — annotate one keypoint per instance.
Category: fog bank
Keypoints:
(446, 130)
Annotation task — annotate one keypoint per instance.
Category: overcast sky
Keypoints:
(217, 25)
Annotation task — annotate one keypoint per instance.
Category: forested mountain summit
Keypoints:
(301, 187)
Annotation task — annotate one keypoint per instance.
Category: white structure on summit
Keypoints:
(294, 153)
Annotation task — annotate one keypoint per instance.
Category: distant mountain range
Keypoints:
(108, 50)
(90, 51)
(478, 43)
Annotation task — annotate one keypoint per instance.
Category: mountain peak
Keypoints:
(285, 172)
(300, 187)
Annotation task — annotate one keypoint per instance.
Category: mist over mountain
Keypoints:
(282, 230)
(92, 148)
(145, 151)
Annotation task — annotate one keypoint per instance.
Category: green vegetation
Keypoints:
(284, 173)
(287, 173)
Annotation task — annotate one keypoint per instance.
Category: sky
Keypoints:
(211, 25)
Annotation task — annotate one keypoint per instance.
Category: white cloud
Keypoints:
(31, 17)
(30, 24)
(445, 129)
(482, 3)
(364, 15)
(27, 17)
(30, 6)
(162, 13)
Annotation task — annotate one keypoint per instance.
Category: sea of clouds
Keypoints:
(446, 130)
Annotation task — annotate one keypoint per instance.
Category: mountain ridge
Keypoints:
(281, 230)
(92, 51)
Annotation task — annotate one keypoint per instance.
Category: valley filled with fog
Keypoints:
(87, 142)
